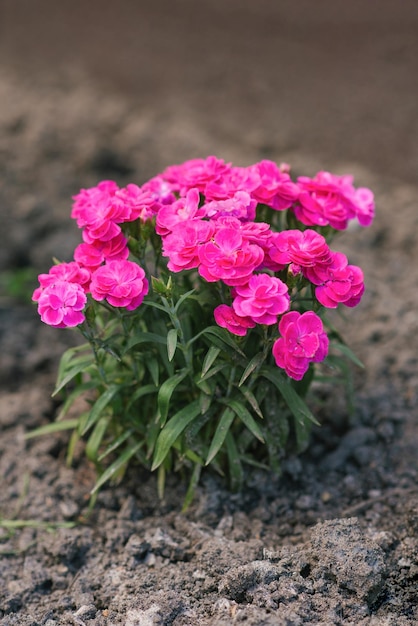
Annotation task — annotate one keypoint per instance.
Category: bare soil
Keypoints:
(119, 90)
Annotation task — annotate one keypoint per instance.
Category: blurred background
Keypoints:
(331, 79)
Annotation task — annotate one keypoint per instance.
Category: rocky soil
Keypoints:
(89, 92)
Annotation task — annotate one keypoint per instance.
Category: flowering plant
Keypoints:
(201, 295)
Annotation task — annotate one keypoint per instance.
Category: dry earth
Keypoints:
(90, 91)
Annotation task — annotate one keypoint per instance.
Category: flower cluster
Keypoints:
(219, 220)
(201, 296)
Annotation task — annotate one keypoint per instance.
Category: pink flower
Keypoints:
(337, 282)
(63, 272)
(232, 180)
(61, 303)
(92, 255)
(195, 173)
(100, 211)
(121, 283)
(303, 341)
(229, 257)
(275, 187)
(306, 249)
(241, 206)
(226, 317)
(183, 243)
(262, 299)
(138, 203)
(332, 200)
(179, 211)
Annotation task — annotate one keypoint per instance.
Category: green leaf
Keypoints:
(78, 391)
(95, 439)
(214, 370)
(140, 393)
(166, 391)
(194, 481)
(235, 468)
(226, 341)
(55, 427)
(117, 465)
(99, 406)
(210, 358)
(172, 430)
(220, 433)
(295, 403)
(180, 301)
(171, 343)
(348, 353)
(82, 363)
(116, 443)
(154, 369)
(255, 362)
(144, 337)
(246, 417)
(252, 400)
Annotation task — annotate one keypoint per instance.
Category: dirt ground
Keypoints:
(119, 90)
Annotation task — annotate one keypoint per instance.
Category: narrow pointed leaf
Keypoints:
(255, 362)
(171, 343)
(166, 391)
(220, 433)
(173, 429)
(295, 403)
(99, 406)
(55, 427)
(246, 417)
(210, 358)
(117, 465)
(96, 437)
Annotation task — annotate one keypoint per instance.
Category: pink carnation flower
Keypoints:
(63, 272)
(195, 173)
(275, 187)
(337, 282)
(229, 257)
(305, 249)
(332, 200)
(61, 303)
(100, 211)
(138, 203)
(226, 317)
(182, 245)
(262, 299)
(303, 341)
(92, 255)
(241, 206)
(179, 211)
(121, 283)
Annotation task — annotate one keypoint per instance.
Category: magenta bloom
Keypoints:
(303, 341)
(67, 272)
(226, 317)
(262, 299)
(337, 282)
(275, 187)
(195, 173)
(330, 199)
(121, 283)
(92, 255)
(179, 211)
(182, 245)
(304, 249)
(61, 303)
(229, 257)
(100, 211)
(241, 206)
